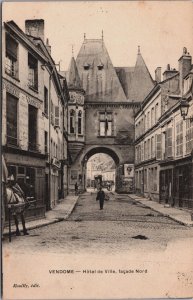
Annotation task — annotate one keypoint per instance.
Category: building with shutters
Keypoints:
(163, 140)
(33, 108)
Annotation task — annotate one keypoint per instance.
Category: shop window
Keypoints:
(105, 124)
(179, 138)
(11, 59)
(72, 121)
(12, 122)
(80, 122)
(32, 72)
(32, 128)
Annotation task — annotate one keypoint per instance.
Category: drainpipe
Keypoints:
(49, 174)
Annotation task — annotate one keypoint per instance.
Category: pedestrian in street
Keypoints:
(76, 188)
(101, 197)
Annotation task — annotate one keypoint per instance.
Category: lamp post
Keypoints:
(184, 106)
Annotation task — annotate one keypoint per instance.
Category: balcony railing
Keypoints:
(10, 67)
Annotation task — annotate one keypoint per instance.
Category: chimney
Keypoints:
(35, 28)
(185, 63)
(158, 74)
(48, 46)
(168, 73)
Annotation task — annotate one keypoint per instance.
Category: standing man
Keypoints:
(76, 188)
(101, 197)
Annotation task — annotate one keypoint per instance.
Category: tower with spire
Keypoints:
(111, 97)
(76, 112)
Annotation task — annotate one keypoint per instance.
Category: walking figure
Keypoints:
(101, 197)
(76, 188)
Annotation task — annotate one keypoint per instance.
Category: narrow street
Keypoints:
(122, 225)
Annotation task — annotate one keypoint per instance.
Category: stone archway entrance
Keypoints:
(124, 171)
(100, 165)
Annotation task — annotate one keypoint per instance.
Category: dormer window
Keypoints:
(86, 67)
(100, 67)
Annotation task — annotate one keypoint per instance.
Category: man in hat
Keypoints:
(101, 197)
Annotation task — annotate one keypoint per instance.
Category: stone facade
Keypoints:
(109, 114)
(33, 116)
(163, 141)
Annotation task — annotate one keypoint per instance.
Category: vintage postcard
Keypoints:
(97, 150)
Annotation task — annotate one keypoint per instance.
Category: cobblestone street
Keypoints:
(122, 225)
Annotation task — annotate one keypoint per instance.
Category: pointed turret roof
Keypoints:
(73, 77)
(97, 73)
(142, 82)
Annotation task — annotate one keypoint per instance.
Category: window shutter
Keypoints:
(142, 152)
(158, 146)
(57, 116)
(169, 142)
(52, 113)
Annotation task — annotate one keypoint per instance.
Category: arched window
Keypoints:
(79, 122)
(72, 121)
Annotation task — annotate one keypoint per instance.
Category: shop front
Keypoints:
(29, 172)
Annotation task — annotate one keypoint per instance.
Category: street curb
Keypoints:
(163, 214)
(57, 220)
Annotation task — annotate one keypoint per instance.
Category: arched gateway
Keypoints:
(103, 101)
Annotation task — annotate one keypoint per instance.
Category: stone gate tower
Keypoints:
(107, 98)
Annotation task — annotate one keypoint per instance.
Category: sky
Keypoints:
(161, 28)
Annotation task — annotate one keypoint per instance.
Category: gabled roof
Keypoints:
(73, 78)
(98, 76)
(142, 82)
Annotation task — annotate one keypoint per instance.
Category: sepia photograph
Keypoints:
(97, 150)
